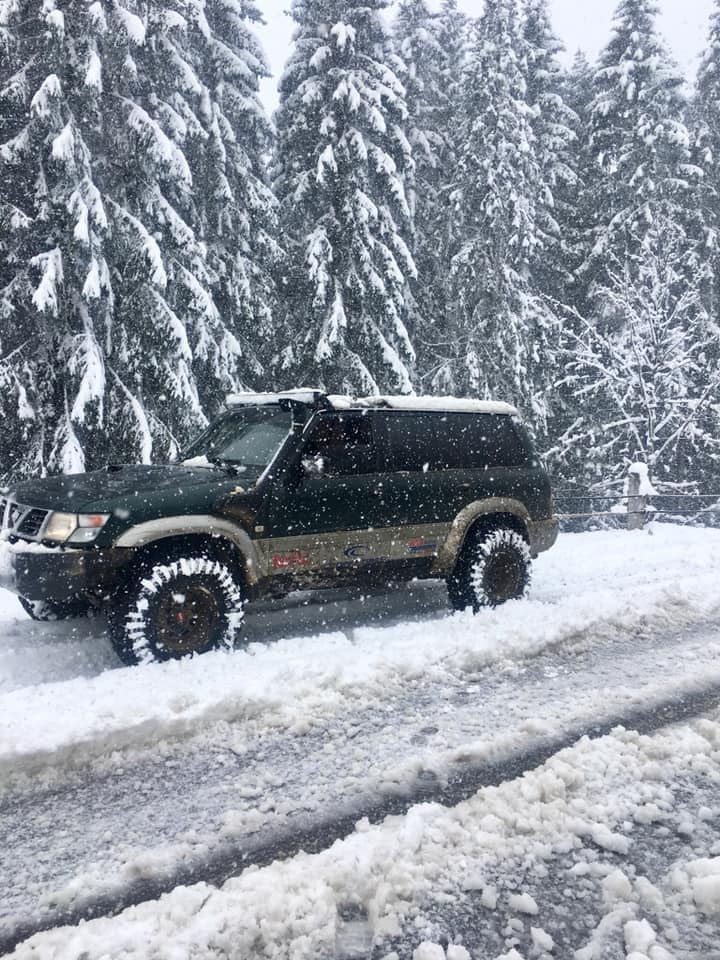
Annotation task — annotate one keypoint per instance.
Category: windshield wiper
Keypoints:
(232, 466)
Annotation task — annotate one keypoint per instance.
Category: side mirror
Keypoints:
(313, 467)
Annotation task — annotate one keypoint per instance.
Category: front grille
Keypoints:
(32, 523)
(21, 521)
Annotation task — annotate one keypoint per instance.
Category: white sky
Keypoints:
(579, 23)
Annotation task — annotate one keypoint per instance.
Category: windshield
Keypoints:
(247, 438)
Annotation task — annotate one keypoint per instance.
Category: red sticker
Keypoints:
(294, 559)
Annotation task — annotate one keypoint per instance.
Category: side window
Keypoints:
(447, 441)
(411, 441)
(496, 443)
(344, 443)
(529, 454)
(427, 441)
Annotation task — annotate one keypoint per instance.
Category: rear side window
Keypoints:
(452, 441)
(501, 445)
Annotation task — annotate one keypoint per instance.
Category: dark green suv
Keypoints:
(296, 490)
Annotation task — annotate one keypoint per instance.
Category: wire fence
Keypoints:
(592, 510)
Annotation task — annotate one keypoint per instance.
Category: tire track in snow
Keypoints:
(316, 835)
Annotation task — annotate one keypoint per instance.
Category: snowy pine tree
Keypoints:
(505, 330)
(706, 115)
(576, 213)
(639, 142)
(554, 126)
(123, 284)
(432, 47)
(160, 277)
(55, 291)
(236, 207)
(454, 38)
(454, 34)
(342, 160)
(418, 48)
(577, 201)
(191, 120)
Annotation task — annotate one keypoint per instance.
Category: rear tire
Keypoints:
(176, 609)
(494, 567)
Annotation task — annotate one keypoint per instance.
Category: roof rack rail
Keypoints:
(316, 399)
(306, 396)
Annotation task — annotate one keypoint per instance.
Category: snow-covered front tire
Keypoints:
(495, 566)
(176, 609)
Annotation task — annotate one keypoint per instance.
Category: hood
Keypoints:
(104, 491)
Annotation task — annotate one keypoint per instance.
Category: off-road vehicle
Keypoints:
(286, 491)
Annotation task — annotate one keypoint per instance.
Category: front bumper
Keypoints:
(542, 534)
(57, 575)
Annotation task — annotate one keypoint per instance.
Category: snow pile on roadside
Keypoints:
(590, 586)
(588, 803)
(699, 880)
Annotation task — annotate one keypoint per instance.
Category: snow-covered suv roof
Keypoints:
(308, 396)
(318, 398)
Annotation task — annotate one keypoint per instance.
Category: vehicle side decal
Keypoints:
(353, 546)
(281, 561)
(357, 551)
(421, 545)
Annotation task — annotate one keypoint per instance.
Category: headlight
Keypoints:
(60, 526)
(75, 528)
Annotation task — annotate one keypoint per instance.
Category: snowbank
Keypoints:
(589, 586)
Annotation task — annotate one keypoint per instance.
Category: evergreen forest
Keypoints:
(438, 206)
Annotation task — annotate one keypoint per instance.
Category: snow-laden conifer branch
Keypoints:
(141, 231)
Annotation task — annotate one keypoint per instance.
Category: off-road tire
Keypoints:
(176, 608)
(494, 567)
(44, 611)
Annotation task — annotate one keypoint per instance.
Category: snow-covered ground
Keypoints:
(333, 702)
(609, 850)
(589, 586)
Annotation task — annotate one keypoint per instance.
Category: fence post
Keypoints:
(636, 504)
